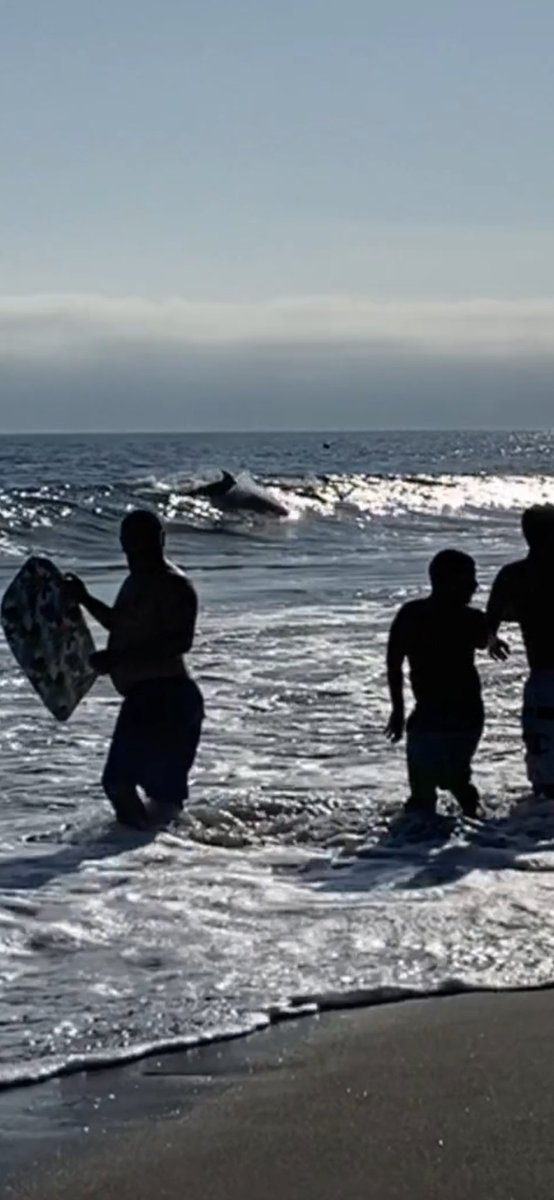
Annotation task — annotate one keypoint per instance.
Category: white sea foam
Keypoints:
(288, 876)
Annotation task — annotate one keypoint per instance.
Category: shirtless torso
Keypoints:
(152, 608)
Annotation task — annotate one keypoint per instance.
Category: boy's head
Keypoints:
(453, 576)
(538, 528)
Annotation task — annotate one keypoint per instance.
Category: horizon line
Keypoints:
(374, 429)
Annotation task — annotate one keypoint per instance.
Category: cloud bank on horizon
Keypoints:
(83, 361)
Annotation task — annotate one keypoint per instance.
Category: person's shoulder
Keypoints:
(126, 590)
(178, 584)
(416, 607)
(174, 572)
(412, 610)
(513, 571)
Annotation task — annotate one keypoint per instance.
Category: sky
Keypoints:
(316, 214)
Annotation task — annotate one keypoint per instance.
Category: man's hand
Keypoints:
(498, 649)
(100, 662)
(75, 590)
(395, 726)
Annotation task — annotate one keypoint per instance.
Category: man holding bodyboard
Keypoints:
(151, 627)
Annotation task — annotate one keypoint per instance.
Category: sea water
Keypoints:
(292, 878)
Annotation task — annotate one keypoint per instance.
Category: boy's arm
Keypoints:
(396, 653)
(481, 630)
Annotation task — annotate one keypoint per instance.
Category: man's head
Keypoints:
(537, 524)
(453, 576)
(142, 537)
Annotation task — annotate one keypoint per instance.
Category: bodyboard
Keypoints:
(48, 636)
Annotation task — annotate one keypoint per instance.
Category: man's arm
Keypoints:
(77, 593)
(396, 653)
(500, 602)
(499, 609)
(100, 611)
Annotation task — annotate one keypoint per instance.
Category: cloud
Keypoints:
(69, 326)
(90, 362)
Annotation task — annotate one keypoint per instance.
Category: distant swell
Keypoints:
(79, 521)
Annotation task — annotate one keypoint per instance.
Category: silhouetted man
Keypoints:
(151, 627)
(438, 636)
(523, 592)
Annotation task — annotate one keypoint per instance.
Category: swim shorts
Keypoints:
(155, 739)
(538, 728)
(441, 759)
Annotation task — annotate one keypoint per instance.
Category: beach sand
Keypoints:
(447, 1099)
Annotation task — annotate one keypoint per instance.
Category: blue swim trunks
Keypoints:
(155, 740)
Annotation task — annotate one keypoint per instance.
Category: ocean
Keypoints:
(292, 881)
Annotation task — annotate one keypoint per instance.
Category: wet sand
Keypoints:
(444, 1099)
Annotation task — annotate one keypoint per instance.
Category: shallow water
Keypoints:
(292, 874)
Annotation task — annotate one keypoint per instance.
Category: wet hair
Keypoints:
(450, 564)
(537, 525)
(142, 529)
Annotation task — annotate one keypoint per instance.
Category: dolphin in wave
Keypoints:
(231, 493)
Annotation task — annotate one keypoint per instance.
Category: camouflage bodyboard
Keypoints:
(48, 637)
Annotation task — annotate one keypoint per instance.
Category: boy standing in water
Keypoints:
(151, 628)
(438, 636)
